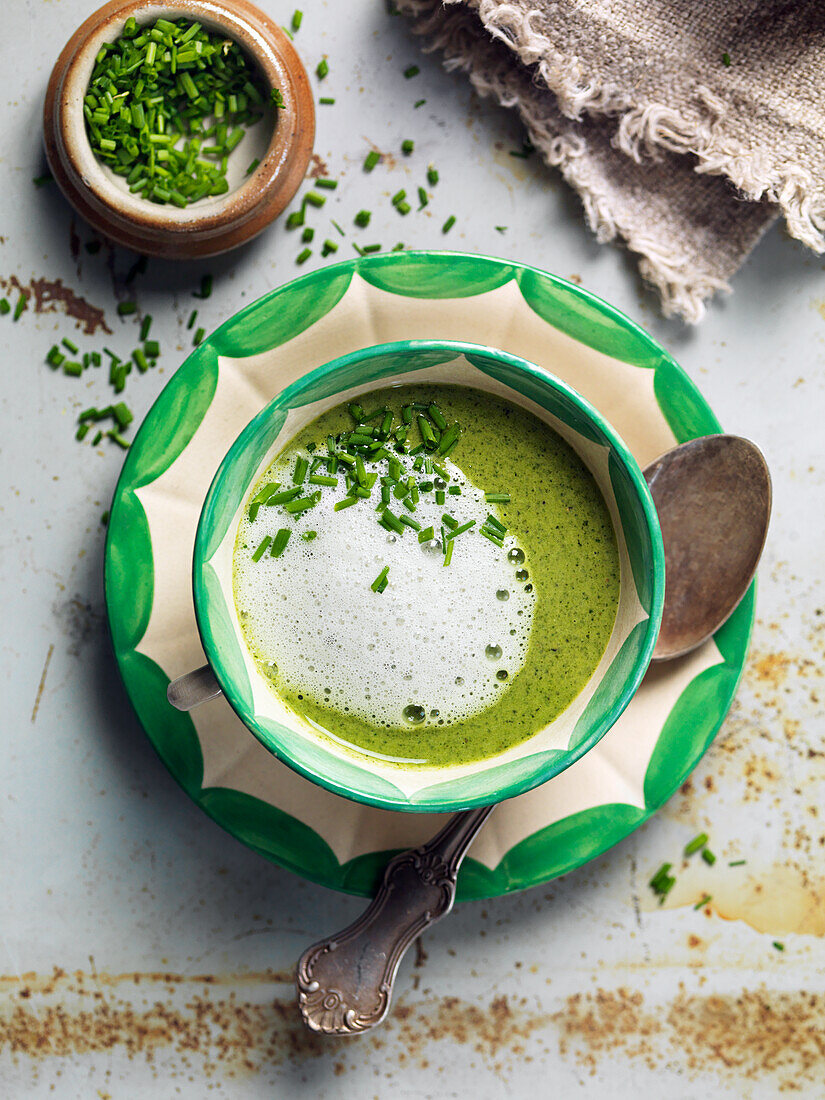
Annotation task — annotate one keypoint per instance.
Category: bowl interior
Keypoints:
(590, 714)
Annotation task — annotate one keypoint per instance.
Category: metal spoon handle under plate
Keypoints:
(345, 982)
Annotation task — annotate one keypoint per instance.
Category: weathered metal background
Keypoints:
(144, 952)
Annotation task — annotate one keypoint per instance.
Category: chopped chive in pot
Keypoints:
(262, 548)
(498, 498)
(279, 542)
(322, 479)
(492, 536)
(253, 165)
(427, 534)
(449, 439)
(381, 582)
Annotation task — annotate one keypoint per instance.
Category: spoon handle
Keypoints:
(345, 982)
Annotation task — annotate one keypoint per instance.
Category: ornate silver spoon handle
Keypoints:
(345, 982)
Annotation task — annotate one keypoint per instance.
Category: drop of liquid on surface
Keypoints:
(459, 680)
(493, 652)
(502, 594)
(516, 555)
(433, 714)
(432, 547)
(414, 714)
(502, 674)
(528, 588)
(391, 538)
(522, 575)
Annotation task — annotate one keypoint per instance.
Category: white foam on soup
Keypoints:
(446, 641)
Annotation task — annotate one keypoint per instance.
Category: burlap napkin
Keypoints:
(685, 128)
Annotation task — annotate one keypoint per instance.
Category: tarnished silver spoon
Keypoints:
(713, 498)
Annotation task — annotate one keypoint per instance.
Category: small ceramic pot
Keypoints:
(381, 782)
(211, 225)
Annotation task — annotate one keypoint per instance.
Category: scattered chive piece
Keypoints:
(279, 542)
(448, 224)
(504, 498)
(140, 360)
(411, 71)
(419, 103)
(126, 308)
(122, 414)
(347, 502)
(82, 432)
(95, 441)
(408, 521)
(737, 863)
(702, 902)
(329, 247)
(432, 176)
(362, 218)
(20, 307)
(779, 946)
(4, 306)
(300, 504)
(69, 346)
(284, 496)
(368, 249)
(307, 234)
(303, 256)
(327, 100)
(262, 547)
(449, 440)
(55, 356)
(398, 197)
(698, 842)
(73, 369)
(726, 63)
(456, 531)
(381, 582)
(145, 325)
(454, 490)
(407, 146)
(327, 184)
(338, 227)
(297, 17)
(314, 199)
(662, 882)
(322, 479)
(39, 181)
(116, 437)
(199, 335)
(152, 348)
(322, 68)
(253, 165)
(206, 287)
(708, 856)
(372, 158)
(501, 229)
(492, 536)
(427, 534)
(392, 521)
(423, 198)
(403, 207)
(439, 496)
(193, 316)
(448, 551)
(300, 471)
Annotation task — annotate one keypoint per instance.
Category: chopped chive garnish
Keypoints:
(327, 100)
(448, 551)
(737, 863)
(82, 432)
(492, 536)
(199, 335)
(427, 534)
(408, 521)
(347, 502)
(252, 166)
(698, 842)
(72, 368)
(356, 411)
(372, 158)
(419, 103)
(423, 198)
(449, 439)
(327, 184)
(495, 525)
(300, 504)
(702, 902)
(411, 71)
(441, 471)
(39, 181)
(152, 348)
(314, 199)
(300, 471)
(22, 303)
(437, 417)
(308, 536)
(501, 229)
(140, 360)
(145, 325)
(392, 521)
(122, 414)
(126, 308)
(322, 479)
(778, 945)
(69, 346)
(502, 498)
(727, 63)
(381, 582)
(328, 247)
(427, 433)
(456, 531)
(708, 856)
(55, 356)
(116, 437)
(262, 548)
(407, 146)
(295, 219)
(297, 17)
(307, 234)
(398, 197)
(4, 306)
(279, 542)
(322, 68)
(303, 255)
(448, 224)
(454, 490)
(449, 521)
(432, 176)
(193, 316)
(440, 496)
(362, 218)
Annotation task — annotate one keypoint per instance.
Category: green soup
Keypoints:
(427, 574)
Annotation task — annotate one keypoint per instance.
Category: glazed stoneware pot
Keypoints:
(281, 142)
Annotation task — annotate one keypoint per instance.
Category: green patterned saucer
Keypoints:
(633, 383)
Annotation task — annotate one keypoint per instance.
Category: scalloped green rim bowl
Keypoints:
(572, 733)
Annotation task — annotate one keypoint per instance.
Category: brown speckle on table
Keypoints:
(51, 296)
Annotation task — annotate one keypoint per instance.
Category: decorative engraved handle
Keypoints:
(345, 983)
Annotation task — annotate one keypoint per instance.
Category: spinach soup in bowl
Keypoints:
(428, 575)
(426, 572)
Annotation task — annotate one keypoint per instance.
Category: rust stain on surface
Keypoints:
(51, 296)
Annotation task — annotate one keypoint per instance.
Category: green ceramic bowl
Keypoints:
(574, 731)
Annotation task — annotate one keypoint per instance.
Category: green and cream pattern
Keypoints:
(221, 387)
